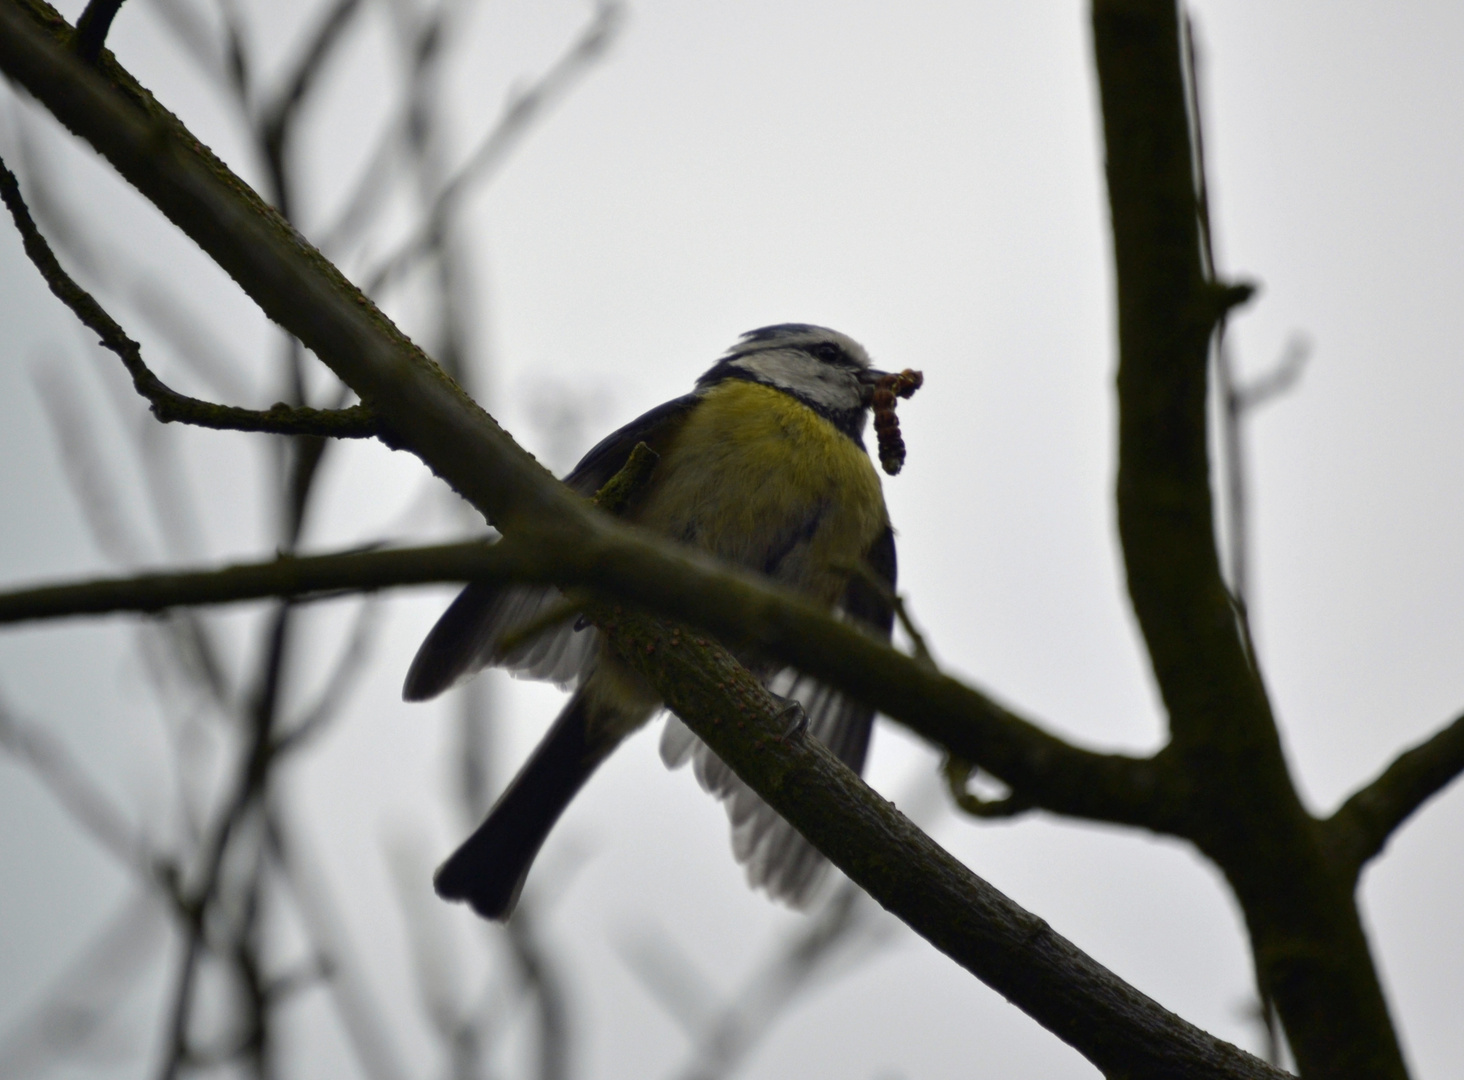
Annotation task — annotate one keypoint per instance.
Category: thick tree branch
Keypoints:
(1360, 828)
(1118, 1029)
(1242, 809)
(737, 607)
(428, 414)
(1166, 312)
(357, 422)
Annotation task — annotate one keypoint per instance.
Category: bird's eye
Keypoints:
(828, 352)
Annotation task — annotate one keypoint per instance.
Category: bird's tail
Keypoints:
(489, 869)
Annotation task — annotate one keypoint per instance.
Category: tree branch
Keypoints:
(92, 28)
(427, 413)
(1048, 772)
(302, 577)
(1360, 828)
(1113, 1025)
(357, 422)
(1242, 809)
(523, 108)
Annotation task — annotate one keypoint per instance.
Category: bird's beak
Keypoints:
(868, 379)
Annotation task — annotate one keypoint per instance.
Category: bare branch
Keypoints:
(1113, 1025)
(357, 422)
(83, 799)
(275, 120)
(958, 774)
(1360, 828)
(523, 109)
(332, 697)
(1243, 810)
(1281, 378)
(88, 994)
(304, 577)
(92, 27)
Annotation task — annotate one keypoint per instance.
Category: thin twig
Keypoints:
(918, 645)
(298, 577)
(1362, 825)
(335, 694)
(522, 110)
(92, 27)
(86, 802)
(957, 773)
(356, 422)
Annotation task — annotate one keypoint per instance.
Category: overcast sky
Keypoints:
(927, 178)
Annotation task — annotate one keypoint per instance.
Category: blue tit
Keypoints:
(763, 465)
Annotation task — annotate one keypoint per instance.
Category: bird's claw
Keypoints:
(796, 717)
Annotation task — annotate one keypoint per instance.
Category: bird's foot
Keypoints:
(795, 717)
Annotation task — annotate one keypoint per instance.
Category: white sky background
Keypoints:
(928, 179)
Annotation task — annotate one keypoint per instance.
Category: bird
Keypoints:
(762, 465)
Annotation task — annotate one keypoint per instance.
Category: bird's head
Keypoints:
(826, 370)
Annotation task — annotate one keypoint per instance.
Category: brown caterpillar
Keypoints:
(886, 424)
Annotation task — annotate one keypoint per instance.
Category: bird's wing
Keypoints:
(607, 457)
(470, 634)
(777, 856)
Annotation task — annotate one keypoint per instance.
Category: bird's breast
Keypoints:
(758, 478)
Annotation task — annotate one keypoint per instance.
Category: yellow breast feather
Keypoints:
(759, 478)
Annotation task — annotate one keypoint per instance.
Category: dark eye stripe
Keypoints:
(829, 353)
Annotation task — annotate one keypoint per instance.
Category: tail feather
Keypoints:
(489, 869)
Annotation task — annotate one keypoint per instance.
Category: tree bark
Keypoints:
(1311, 954)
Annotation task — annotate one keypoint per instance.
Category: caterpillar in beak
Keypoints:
(886, 423)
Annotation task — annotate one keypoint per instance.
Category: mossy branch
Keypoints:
(1113, 1025)
(303, 577)
(426, 413)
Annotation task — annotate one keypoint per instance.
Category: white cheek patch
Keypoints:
(797, 372)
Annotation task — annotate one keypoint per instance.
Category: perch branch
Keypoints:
(1113, 1025)
(1048, 771)
(428, 414)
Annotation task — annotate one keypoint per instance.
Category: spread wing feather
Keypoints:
(469, 634)
(776, 855)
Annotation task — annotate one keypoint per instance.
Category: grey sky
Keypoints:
(926, 178)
